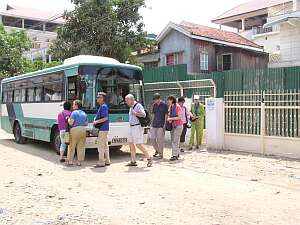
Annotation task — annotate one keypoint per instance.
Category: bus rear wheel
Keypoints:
(18, 134)
(55, 141)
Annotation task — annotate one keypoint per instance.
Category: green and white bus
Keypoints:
(31, 102)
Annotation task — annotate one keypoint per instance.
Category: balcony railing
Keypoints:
(261, 30)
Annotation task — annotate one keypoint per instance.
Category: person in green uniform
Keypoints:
(197, 118)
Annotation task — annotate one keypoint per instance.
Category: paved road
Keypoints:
(202, 188)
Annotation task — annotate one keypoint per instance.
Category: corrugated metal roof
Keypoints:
(250, 7)
(34, 14)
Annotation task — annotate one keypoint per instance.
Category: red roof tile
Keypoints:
(217, 34)
(250, 7)
(36, 14)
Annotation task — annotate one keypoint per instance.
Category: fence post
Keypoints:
(181, 88)
(262, 127)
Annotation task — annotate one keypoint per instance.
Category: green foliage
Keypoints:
(112, 28)
(12, 46)
(31, 66)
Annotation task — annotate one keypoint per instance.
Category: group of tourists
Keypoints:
(171, 116)
(174, 116)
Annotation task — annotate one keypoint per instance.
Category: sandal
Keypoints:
(131, 164)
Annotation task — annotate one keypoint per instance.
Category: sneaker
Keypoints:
(149, 163)
(62, 160)
(197, 147)
(191, 148)
(107, 164)
(131, 164)
(173, 158)
(156, 154)
(181, 150)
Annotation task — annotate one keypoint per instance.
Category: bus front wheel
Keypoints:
(18, 134)
(55, 141)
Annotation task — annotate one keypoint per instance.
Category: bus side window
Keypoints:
(38, 94)
(9, 97)
(30, 94)
(17, 95)
(4, 97)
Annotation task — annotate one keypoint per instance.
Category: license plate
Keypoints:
(118, 140)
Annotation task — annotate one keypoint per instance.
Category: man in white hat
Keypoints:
(197, 118)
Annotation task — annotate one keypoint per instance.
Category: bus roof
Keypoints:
(75, 62)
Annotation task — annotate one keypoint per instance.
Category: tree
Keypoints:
(12, 47)
(31, 66)
(112, 28)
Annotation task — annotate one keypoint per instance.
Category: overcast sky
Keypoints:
(158, 12)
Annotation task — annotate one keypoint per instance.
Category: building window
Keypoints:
(203, 61)
(227, 62)
(174, 59)
(224, 62)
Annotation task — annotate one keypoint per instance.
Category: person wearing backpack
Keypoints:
(137, 116)
(62, 121)
(175, 125)
(160, 115)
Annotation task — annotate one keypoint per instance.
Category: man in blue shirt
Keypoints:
(160, 114)
(102, 123)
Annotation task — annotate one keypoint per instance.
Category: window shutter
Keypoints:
(163, 60)
(219, 63)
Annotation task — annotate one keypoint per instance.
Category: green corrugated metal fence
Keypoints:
(236, 80)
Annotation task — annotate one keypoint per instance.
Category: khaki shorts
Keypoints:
(136, 135)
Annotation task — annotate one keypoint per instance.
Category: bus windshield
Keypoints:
(115, 82)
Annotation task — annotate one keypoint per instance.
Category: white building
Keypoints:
(274, 24)
(39, 25)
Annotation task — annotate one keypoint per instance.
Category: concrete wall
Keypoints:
(289, 45)
(177, 42)
(280, 146)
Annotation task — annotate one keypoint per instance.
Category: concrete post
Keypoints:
(23, 23)
(262, 128)
(243, 24)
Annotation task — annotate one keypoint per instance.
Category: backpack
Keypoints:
(144, 121)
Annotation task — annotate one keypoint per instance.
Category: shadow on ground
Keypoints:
(45, 151)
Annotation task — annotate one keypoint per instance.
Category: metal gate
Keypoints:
(204, 88)
(272, 114)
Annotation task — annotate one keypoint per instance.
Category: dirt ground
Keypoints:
(203, 188)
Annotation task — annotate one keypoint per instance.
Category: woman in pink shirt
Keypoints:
(62, 120)
(174, 117)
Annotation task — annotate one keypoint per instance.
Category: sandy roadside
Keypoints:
(202, 188)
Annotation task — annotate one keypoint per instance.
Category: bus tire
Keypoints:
(115, 148)
(18, 134)
(55, 140)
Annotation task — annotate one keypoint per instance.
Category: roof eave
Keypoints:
(56, 21)
(172, 25)
(228, 43)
